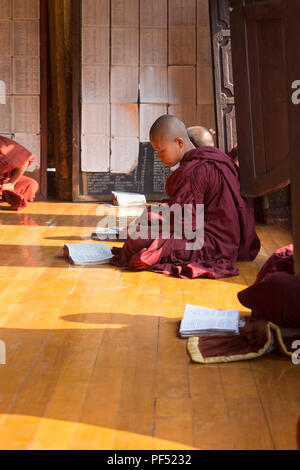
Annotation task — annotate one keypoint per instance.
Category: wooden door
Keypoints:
(293, 81)
(265, 64)
(260, 71)
(222, 60)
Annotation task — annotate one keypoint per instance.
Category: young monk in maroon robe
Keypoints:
(205, 176)
(15, 188)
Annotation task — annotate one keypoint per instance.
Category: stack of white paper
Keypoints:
(199, 321)
(129, 199)
(88, 253)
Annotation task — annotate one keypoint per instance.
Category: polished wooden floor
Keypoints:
(93, 360)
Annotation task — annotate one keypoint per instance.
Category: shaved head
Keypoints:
(201, 137)
(169, 137)
(169, 127)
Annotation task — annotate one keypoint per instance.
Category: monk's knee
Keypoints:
(27, 187)
(34, 187)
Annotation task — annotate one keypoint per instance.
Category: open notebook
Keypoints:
(88, 253)
(199, 321)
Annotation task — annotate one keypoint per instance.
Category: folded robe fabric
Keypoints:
(12, 157)
(205, 176)
(275, 298)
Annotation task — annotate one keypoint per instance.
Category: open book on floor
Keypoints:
(88, 253)
(199, 321)
(129, 199)
(111, 233)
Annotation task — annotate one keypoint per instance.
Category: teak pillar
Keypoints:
(59, 12)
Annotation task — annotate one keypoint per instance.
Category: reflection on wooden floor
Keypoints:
(93, 360)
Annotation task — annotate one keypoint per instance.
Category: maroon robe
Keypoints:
(205, 176)
(275, 295)
(274, 298)
(12, 157)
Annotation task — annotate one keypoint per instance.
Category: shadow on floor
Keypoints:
(121, 388)
(45, 220)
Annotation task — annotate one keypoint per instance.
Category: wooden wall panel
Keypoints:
(154, 84)
(205, 87)
(125, 13)
(95, 84)
(5, 9)
(96, 13)
(124, 84)
(148, 115)
(95, 45)
(125, 48)
(95, 118)
(154, 13)
(124, 154)
(186, 112)
(95, 153)
(182, 46)
(124, 120)
(182, 85)
(159, 62)
(182, 12)
(154, 46)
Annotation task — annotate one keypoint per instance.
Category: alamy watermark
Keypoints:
(2, 92)
(296, 93)
(2, 353)
(161, 221)
(296, 354)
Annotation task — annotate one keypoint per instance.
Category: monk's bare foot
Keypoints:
(8, 186)
(255, 331)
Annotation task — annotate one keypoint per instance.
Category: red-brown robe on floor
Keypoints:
(12, 157)
(274, 298)
(205, 176)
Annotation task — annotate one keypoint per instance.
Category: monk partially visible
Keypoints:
(205, 176)
(15, 188)
(201, 136)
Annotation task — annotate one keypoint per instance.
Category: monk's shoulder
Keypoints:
(204, 171)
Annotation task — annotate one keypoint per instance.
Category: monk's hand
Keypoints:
(8, 186)
(255, 330)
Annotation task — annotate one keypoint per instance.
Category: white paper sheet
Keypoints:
(198, 320)
(89, 253)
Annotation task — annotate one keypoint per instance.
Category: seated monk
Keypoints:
(202, 137)
(15, 188)
(208, 177)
